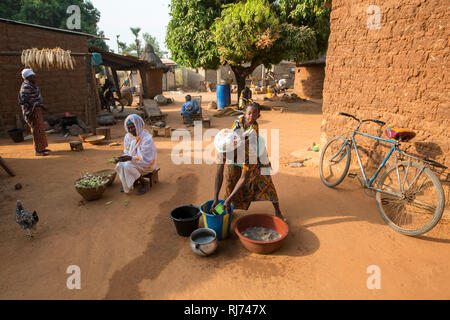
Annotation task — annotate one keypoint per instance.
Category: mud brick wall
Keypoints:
(396, 71)
(62, 91)
(309, 81)
(154, 82)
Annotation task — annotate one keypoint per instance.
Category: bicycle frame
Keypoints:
(394, 150)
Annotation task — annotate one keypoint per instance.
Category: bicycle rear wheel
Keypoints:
(421, 204)
(334, 161)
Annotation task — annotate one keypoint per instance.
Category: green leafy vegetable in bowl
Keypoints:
(90, 181)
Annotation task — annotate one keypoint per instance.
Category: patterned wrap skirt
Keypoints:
(36, 122)
(258, 187)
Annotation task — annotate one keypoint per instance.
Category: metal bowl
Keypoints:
(95, 139)
(203, 241)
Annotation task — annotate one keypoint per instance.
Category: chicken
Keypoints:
(26, 219)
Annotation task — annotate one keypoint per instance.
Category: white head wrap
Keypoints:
(227, 140)
(27, 72)
(138, 123)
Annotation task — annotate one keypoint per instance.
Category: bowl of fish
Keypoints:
(261, 233)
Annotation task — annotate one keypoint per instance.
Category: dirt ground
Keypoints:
(134, 252)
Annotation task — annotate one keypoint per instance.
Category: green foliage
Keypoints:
(189, 38)
(244, 34)
(314, 14)
(53, 13)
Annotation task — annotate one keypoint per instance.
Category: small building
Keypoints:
(169, 78)
(62, 90)
(138, 67)
(153, 74)
(309, 78)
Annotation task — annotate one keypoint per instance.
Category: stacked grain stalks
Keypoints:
(48, 58)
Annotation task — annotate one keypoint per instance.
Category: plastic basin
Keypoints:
(266, 221)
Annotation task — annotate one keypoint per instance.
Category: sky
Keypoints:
(117, 16)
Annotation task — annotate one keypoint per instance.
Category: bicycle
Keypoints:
(406, 203)
(110, 102)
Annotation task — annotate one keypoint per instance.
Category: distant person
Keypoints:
(189, 108)
(245, 98)
(139, 155)
(31, 102)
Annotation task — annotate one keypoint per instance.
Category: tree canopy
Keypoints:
(245, 34)
(53, 13)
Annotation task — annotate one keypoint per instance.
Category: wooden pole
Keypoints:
(5, 166)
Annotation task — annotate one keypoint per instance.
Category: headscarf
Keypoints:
(138, 123)
(27, 72)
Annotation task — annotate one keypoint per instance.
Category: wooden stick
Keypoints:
(5, 166)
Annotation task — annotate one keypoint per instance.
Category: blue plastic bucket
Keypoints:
(223, 95)
(219, 223)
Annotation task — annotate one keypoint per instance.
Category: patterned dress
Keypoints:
(29, 99)
(258, 187)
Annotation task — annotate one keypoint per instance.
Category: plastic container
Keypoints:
(16, 135)
(185, 219)
(223, 95)
(219, 223)
(265, 221)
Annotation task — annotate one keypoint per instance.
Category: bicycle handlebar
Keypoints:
(372, 120)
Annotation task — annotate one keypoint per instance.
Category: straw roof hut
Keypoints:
(150, 56)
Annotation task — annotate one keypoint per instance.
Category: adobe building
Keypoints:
(62, 90)
(389, 60)
(309, 79)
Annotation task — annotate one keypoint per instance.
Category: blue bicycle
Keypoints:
(409, 195)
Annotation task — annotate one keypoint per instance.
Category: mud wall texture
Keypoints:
(389, 60)
(309, 81)
(62, 91)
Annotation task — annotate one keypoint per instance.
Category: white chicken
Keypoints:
(26, 219)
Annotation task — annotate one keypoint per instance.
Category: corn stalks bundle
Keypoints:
(48, 58)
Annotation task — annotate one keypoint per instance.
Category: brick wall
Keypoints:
(154, 82)
(309, 81)
(62, 91)
(396, 71)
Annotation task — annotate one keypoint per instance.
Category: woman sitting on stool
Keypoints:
(139, 156)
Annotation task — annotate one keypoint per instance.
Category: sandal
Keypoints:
(41, 154)
(143, 189)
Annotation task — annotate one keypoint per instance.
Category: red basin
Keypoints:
(265, 221)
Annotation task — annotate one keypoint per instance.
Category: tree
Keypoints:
(149, 39)
(53, 13)
(136, 31)
(245, 34)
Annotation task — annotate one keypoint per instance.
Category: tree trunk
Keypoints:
(240, 79)
(241, 74)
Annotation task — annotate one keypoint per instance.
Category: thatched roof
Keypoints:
(150, 56)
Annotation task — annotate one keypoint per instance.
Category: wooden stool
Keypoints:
(206, 122)
(76, 146)
(165, 132)
(152, 177)
(104, 131)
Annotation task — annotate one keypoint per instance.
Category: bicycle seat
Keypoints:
(400, 134)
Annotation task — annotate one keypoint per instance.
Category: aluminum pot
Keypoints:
(203, 241)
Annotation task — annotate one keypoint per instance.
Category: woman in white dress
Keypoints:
(139, 156)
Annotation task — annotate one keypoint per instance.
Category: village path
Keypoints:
(134, 252)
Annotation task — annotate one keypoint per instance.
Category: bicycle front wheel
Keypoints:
(420, 199)
(334, 161)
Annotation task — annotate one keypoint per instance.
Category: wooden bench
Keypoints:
(152, 177)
